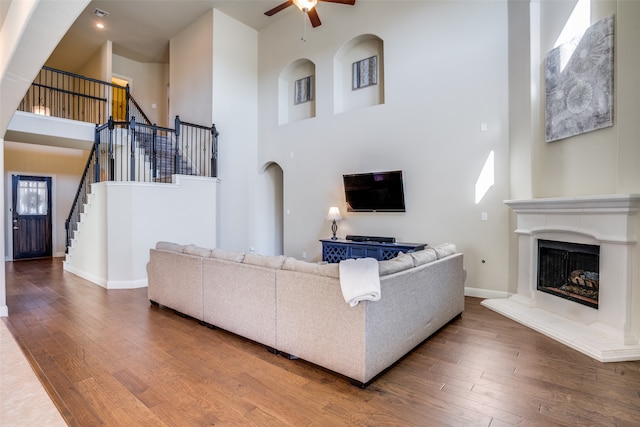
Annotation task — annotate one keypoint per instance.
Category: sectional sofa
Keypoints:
(297, 307)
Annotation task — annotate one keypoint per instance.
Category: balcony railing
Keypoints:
(71, 96)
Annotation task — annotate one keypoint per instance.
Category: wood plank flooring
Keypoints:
(109, 358)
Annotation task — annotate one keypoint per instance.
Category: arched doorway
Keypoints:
(270, 212)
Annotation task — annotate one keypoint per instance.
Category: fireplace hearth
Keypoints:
(569, 270)
(590, 239)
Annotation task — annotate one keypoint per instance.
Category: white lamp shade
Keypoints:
(334, 214)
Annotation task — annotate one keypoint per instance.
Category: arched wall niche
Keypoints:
(296, 92)
(367, 51)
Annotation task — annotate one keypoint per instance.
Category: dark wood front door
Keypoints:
(31, 216)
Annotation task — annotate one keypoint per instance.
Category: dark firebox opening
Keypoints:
(569, 270)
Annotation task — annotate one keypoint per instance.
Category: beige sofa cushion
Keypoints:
(196, 250)
(328, 270)
(401, 262)
(169, 246)
(269, 261)
(445, 250)
(227, 255)
(240, 298)
(424, 256)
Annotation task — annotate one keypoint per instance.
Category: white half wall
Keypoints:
(124, 220)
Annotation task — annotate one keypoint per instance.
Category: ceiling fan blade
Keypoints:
(351, 2)
(279, 8)
(314, 18)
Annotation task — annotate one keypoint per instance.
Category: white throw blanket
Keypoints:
(359, 280)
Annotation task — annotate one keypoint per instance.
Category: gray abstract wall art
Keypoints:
(579, 83)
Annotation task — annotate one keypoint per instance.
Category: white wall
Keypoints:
(29, 32)
(235, 113)
(610, 153)
(446, 73)
(148, 86)
(99, 65)
(213, 75)
(126, 219)
(190, 71)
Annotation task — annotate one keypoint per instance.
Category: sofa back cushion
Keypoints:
(401, 262)
(227, 255)
(424, 256)
(269, 261)
(445, 250)
(328, 270)
(196, 250)
(169, 246)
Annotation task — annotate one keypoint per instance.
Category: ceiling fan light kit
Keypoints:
(305, 5)
(308, 7)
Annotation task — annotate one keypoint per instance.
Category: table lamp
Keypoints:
(334, 215)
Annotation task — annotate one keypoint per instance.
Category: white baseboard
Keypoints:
(107, 284)
(4, 311)
(485, 293)
(127, 284)
(90, 277)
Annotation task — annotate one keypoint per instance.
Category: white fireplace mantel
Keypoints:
(612, 331)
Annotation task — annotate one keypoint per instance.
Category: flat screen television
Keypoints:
(374, 192)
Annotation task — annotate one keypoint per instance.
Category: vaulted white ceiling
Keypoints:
(141, 29)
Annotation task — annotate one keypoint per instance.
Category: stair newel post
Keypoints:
(154, 163)
(68, 235)
(111, 157)
(214, 151)
(176, 156)
(96, 154)
(132, 172)
(126, 102)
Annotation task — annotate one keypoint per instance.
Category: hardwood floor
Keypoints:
(107, 357)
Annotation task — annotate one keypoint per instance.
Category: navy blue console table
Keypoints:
(338, 250)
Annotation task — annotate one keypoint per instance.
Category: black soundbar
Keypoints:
(376, 239)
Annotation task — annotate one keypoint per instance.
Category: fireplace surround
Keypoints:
(610, 330)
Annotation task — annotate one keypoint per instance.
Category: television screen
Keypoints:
(374, 192)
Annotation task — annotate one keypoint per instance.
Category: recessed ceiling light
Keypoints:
(100, 25)
(100, 13)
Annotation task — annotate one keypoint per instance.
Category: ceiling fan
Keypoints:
(308, 7)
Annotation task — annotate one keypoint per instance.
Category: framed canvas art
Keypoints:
(303, 90)
(365, 73)
(579, 83)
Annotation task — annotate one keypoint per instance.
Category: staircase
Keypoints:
(133, 150)
(110, 228)
(162, 156)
